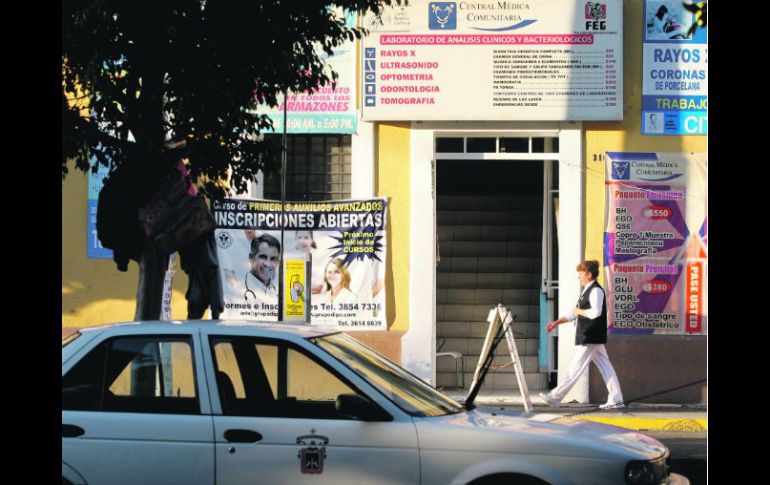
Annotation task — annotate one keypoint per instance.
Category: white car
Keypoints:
(214, 402)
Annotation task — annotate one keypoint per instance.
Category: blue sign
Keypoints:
(442, 15)
(94, 248)
(675, 73)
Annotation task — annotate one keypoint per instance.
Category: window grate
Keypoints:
(317, 168)
(507, 144)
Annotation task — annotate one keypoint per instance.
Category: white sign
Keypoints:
(492, 60)
(675, 74)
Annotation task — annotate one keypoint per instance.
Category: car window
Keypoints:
(308, 381)
(278, 380)
(225, 358)
(134, 374)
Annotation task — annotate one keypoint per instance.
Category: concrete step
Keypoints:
(482, 264)
(487, 232)
(490, 248)
(449, 279)
(489, 202)
(536, 382)
(446, 312)
(491, 217)
(471, 347)
(521, 330)
(487, 296)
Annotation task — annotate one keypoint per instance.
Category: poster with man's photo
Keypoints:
(346, 241)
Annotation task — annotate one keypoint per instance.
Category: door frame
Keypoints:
(418, 344)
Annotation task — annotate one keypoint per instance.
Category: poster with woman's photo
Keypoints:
(346, 241)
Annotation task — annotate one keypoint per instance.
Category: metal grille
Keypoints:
(317, 168)
(503, 144)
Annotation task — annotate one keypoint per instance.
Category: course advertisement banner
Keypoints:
(346, 240)
(675, 71)
(490, 60)
(655, 243)
(330, 109)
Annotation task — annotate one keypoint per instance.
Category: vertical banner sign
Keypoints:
(295, 286)
(165, 311)
(655, 249)
(330, 109)
(95, 184)
(543, 60)
(675, 73)
(347, 244)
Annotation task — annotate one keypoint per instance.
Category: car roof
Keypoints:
(298, 329)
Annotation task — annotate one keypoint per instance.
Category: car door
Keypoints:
(132, 413)
(278, 422)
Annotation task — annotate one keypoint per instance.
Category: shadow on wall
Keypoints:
(105, 295)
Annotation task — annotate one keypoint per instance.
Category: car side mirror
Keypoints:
(356, 407)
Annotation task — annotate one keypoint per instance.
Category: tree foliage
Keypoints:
(157, 74)
(149, 82)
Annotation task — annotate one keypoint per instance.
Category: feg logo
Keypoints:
(596, 15)
(442, 15)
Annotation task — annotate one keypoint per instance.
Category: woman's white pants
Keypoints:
(584, 355)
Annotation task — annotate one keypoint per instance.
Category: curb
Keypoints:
(651, 424)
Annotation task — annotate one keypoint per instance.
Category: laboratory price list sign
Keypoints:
(655, 244)
(558, 60)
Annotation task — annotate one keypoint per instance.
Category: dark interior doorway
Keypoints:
(491, 177)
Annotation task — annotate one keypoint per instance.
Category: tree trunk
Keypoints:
(152, 271)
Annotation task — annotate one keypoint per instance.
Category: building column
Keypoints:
(418, 351)
(570, 234)
(362, 160)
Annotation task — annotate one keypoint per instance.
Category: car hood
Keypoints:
(500, 431)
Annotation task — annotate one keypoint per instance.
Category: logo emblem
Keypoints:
(442, 15)
(596, 11)
(378, 21)
(224, 240)
(621, 170)
(312, 454)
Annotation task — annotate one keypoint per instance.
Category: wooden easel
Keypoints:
(500, 321)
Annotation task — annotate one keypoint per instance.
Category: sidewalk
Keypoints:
(636, 416)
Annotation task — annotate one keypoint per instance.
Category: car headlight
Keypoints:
(647, 472)
(640, 473)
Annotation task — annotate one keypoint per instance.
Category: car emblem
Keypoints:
(312, 454)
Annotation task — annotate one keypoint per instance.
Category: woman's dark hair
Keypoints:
(661, 12)
(591, 266)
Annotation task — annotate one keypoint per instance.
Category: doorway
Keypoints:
(491, 194)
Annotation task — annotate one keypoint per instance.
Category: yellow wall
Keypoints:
(93, 291)
(623, 136)
(393, 181)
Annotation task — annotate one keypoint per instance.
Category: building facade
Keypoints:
(480, 211)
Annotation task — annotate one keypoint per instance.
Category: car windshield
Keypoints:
(405, 390)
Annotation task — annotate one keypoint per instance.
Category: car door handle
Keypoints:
(71, 431)
(242, 436)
